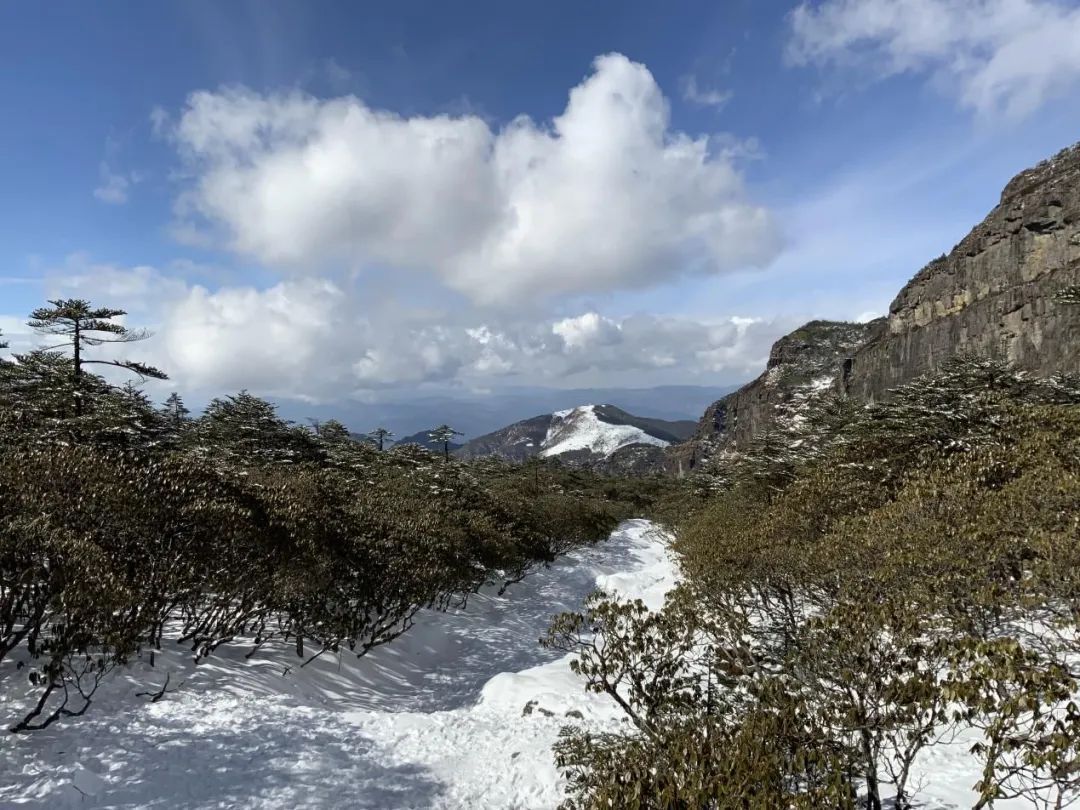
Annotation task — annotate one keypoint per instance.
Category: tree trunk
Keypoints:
(873, 789)
(78, 371)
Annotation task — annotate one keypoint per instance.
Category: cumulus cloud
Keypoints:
(141, 288)
(996, 56)
(285, 340)
(604, 196)
(584, 349)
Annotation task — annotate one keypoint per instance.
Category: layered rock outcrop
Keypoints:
(994, 295)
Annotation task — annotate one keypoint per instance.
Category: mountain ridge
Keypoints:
(585, 434)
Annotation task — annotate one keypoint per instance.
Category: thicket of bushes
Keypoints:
(125, 527)
(861, 585)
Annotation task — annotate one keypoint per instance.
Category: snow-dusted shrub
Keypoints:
(915, 574)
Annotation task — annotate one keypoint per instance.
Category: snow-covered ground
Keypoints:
(581, 429)
(435, 719)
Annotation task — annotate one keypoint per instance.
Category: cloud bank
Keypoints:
(314, 339)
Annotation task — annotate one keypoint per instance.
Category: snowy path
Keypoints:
(432, 720)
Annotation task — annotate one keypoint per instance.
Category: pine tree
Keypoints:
(380, 435)
(331, 431)
(81, 326)
(444, 434)
(3, 343)
(175, 411)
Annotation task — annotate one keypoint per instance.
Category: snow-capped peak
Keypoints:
(582, 429)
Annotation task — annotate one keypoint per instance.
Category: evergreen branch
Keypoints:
(141, 369)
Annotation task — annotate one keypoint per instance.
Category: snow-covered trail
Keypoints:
(435, 719)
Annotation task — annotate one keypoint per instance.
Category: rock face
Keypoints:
(516, 442)
(812, 358)
(992, 295)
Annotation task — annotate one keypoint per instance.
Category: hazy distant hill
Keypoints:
(421, 438)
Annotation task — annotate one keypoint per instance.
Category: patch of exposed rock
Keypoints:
(812, 358)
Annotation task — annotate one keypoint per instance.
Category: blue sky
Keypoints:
(332, 201)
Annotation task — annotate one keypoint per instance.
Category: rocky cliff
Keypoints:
(992, 295)
(812, 358)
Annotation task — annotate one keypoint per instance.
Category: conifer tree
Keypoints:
(331, 431)
(380, 435)
(249, 429)
(175, 411)
(3, 343)
(80, 325)
(444, 434)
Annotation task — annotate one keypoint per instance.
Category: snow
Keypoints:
(581, 429)
(437, 719)
(461, 712)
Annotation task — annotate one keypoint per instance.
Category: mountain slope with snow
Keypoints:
(460, 713)
(582, 428)
(585, 434)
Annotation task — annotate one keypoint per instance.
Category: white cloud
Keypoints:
(286, 340)
(141, 288)
(705, 98)
(996, 56)
(589, 348)
(310, 338)
(114, 188)
(587, 330)
(605, 196)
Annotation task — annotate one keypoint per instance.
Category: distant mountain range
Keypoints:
(476, 414)
(586, 434)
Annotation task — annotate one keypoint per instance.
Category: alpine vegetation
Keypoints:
(127, 527)
(907, 576)
(541, 408)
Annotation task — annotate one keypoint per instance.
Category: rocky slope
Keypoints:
(516, 442)
(992, 295)
(812, 358)
(586, 435)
